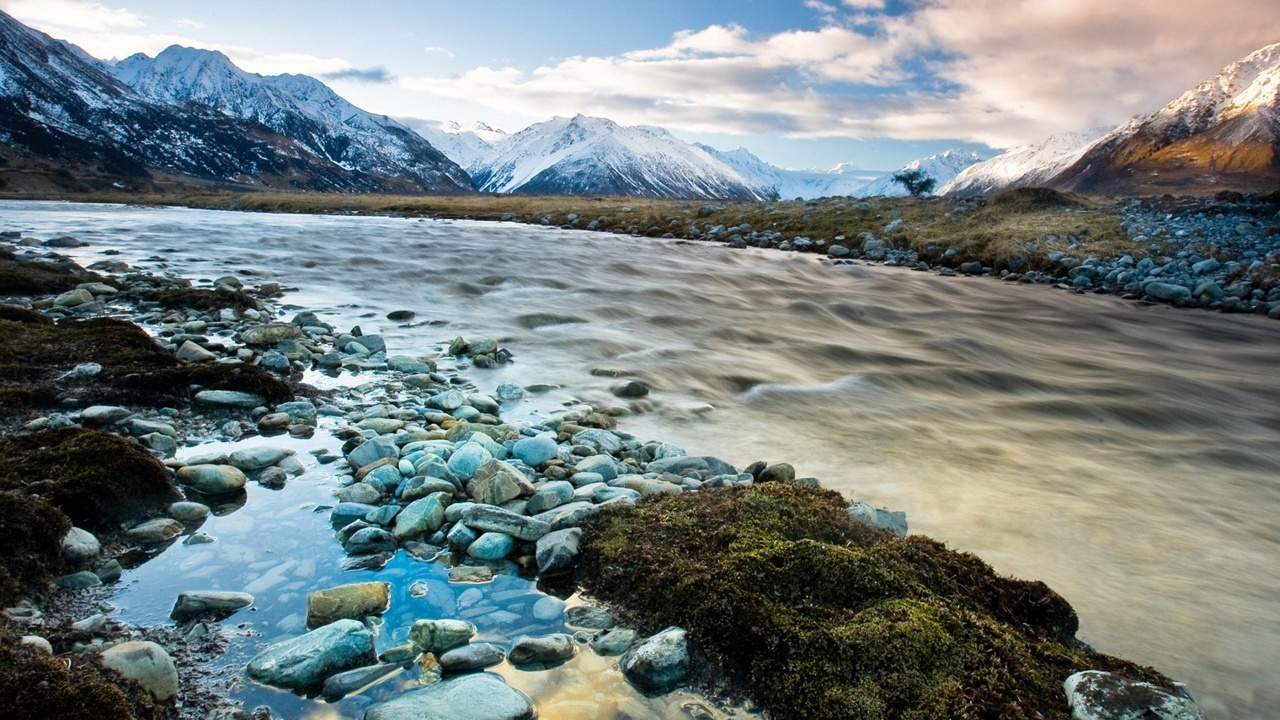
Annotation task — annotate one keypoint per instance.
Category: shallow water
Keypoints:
(1126, 455)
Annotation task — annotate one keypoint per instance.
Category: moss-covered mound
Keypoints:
(200, 299)
(95, 479)
(135, 370)
(37, 277)
(818, 617)
(1037, 198)
(34, 686)
(31, 554)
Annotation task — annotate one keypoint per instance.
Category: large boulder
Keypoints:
(194, 604)
(307, 660)
(496, 482)
(660, 663)
(148, 664)
(347, 602)
(1096, 695)
(470, 697)
(557, 551)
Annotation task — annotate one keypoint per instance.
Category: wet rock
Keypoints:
(154, 531)
(491, 546)
(212, 479)
(359, 493)
(472, 657)
(270, 334)
(347, 602)
(476, 574)
(372, 451)
(73, 298)
(1167, 291)
(1095, 695)
(557, 551)
(535, 451)
(148, 664)
(78, 580)
(541, 650)
(188, 512)
(893, 521)
(630, 389)
(778, 472)
(40, 644)
(467, 460)
(217, 604)
(273, 478)
(273, 422)
(479, 696)
(257, 458)
(590, 618)
(192, 352)
(495, 483)
(486, 518)
(660, 663)
(401, 315)
(307, 660)
(344, 683)
(507, 392)
(99, 415)
(615, 641)
(420, 517)
(79, 546)
(229, 399)
(369, 541)
(438, 636)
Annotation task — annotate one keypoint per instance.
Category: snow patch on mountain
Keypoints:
(942, 167)
(467, 144)
(772, 181)
(1024, 165)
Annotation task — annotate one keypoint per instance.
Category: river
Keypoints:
(1129, 456)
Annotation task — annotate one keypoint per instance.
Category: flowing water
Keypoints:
(1128, 456)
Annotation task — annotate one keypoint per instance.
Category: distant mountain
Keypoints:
(1023, 166)
(1222, 134)
(594, 156)
(941, 167)
(66, 123)
(771, 180)
(298, 107)
(468, 145)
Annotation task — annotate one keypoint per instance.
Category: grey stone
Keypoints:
(192, 352)
(369, 541)
(229, 398)
(615, 641)
(347, 602)
(630, 389)
(359, 493)
(472, 657)
(38, 643)
(893, 521)
(155, 531)
(479, 696)
(372, 451)
(1096, 695)
(682, 465)
(339, 686)
(603, 465)
(148, 664)
(468, 459)
(78, 580)
(486, 518)
(212, 479)
(535, 450)
(496, 482)
(660, 663)
(79, 546)
(420, 517)
(491, 546)
(99, 415)
(590, 618)
(188, 512)
(438, 636)
(307, 660)
(194, 604)
(602, 440)
(1167, 291)
(73, 298)
(557, 551)
(541, 650)
(470, 574)
(257, 458)
(269, 334)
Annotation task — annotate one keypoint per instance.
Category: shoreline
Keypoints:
(545, 475)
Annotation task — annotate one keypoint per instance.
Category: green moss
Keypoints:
(97, 480)
(34, 686)
(818, 617)
(136, 371)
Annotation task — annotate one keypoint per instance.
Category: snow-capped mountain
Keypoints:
(297, 106)
(1222, 134)
(595, 156)
(941, 167)
(467, 144)
(773, 181)
(1024, 165)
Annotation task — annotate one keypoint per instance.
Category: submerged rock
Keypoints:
(1096, 695)
(541, 650)
(194, 604)
(660, 663)
(350, 602)
(480, 696)
(212, 479)
(438, 636)
(472, 657)
(308, 660)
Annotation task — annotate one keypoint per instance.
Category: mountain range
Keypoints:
(191, 117)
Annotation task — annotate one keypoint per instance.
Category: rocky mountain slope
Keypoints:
(1024, 165)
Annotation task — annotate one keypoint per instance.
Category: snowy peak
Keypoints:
(1243, 86)
(590, 155)
(942, 168)
(1023, 166)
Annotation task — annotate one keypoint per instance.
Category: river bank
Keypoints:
(405, 237)
(410, 460)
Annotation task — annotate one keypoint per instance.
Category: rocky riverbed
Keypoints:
(428, 476)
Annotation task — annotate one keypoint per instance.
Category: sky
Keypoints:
(802, 83)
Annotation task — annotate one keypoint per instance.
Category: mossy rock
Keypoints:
(1037, 198)
(818, 617)
(35, 686)
(37, 277)
(201, 299)
(97, 480)
(31, 553)
(136, 371)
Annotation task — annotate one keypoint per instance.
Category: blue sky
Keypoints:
(802, 83)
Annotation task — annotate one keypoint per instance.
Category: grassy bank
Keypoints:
(1023, 224)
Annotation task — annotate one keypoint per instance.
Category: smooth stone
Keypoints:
(895, 521)
(212, 479)
(496, 482)
(630, 389)
(557, 551)
(372, 451)
(382, 426)
(470, 574)
(155, 531)
(447, 401)
(602, 440)
(658, 664)
(188, 512)
(438, 636)
(399, 654)
(99, 415)
(508, 392)
(486, 518)
(192, 352)
(307, 660)
(359, 493)
(257, 458)
(270, 334)
(684, 464)
(420, 487)
(1167, 291)
(148, 664)
(615, 641)
(37, 642)
(1096, 695)
(74, 298)
(420, 517)
(347, 602)
(229, 398)
(460, 536)
(78, 580)
(650, 486)
(567, 516)
(491, 546)
(778, 472)
(602, 465)
(535, 450)
(79, 546)
(536, 650)
(369, 541)
(468, 459)
(590, 618)
(582, 479)
(478, 696)
(471, 657)
(194, 604)
(550, 495)
(346, 513)
(343, 684)
(548, 608)
(383, 516)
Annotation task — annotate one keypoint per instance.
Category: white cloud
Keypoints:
(865, 4)
(431, 50)
(79, 14)
(189, 23)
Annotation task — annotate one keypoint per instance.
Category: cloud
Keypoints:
(438, 51)
(1000, 72)
(189, 23)
(81, 14)
(374, 75)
